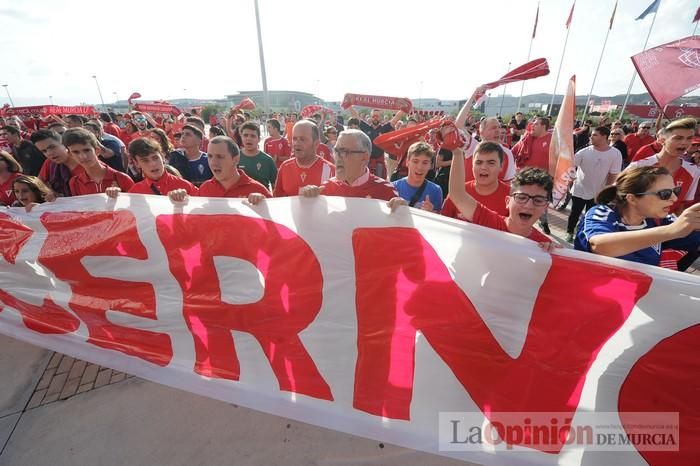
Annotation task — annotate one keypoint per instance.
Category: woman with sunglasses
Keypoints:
(633, 219)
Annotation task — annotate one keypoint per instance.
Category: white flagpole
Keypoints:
(556, 81)
(522, 86)
(266, 96)
(500, 109)
(595, 76)
(634, 75)
(696, 27)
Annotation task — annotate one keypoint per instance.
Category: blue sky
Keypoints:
(441, 49)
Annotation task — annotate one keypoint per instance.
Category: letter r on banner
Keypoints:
(291, 300)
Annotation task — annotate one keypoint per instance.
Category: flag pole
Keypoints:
(696, 26)
(595, 76)
(266, 97)
(556, 81)
(529, 51)
(634, 75)
(503, 97)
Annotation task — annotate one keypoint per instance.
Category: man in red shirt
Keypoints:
(352, 176)
(96, 177)
(305, 168)
(634, 141)
(486, 188)
(229, 180)
(276, 146)
(530, 193)
(59, 166)
(147, 156)
(678, 137)
(648, 150)
(533, 149)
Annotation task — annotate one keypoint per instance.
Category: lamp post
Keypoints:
(99, 91)
(51, 99)
(8, 94)
(115, 97)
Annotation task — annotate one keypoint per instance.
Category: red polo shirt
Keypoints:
(244, 186)
(81, 183)
(163, 186)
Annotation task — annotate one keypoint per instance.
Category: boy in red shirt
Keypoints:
(276, 146)
(96, 177)
(530, 193)
(147, 156)
(229, 180)
(486, 187)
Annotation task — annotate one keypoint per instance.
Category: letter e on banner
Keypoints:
(404, 287)
(73, 236)
(291, 300)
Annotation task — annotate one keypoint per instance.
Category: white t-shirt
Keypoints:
(592, 170)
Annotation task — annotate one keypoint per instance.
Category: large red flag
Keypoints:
(670, 70)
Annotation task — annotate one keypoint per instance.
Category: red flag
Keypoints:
(670, 70)
(309, 110)
(612, 18)
(537, 16)
(134, 95)
(571, 15)
(530, 70)
(697, 16)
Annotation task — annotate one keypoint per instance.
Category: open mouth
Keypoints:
(524, 216)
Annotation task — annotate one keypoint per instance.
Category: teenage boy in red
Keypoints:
(530, 193)
(59, 166)
(276, 146)
(305, 168)
(147, 156)
(229, 180)
(486, 187)
(96, 177)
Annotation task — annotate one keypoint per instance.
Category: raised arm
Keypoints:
(461, 199)
(461, 121)
(616, 244)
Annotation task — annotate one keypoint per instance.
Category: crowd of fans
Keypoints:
(637, 192)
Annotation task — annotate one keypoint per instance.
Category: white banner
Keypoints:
(339, 313)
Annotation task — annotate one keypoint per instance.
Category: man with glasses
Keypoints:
(377, 165)
(597, 166)
(678, 138)
(530, 194)
(352, 176)
(635, 141)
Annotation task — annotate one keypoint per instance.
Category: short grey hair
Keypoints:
(365, 141)
(483, 123)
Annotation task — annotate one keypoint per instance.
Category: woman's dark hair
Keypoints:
(37, 186)
(631, 181)
(166, 146)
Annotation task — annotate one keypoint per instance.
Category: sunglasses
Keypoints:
(664, 194)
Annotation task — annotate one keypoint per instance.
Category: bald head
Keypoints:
(305, 140)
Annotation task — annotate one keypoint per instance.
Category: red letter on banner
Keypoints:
(76, 235)
(47, 318)
(404, 287)
(291, 300)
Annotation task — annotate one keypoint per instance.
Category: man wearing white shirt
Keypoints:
(597, 166)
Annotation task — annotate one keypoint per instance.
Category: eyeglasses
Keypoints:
(346, 152)
(664, 194)
(522, 198)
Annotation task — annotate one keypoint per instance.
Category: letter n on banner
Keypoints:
(404, 287)
(291, 300)
(73, 236)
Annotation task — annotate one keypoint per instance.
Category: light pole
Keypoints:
(318, 98)
(8, 94)
(99, 91)
(115, 97)
(51, 99)
(420, 95)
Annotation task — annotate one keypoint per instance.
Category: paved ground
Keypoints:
(57, 410)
